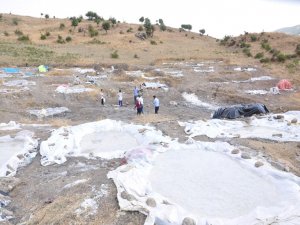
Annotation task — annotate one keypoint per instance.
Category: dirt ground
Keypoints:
(40, 196)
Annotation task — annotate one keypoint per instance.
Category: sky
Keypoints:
(217, 17)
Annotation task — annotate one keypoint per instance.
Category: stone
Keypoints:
(188, 221)
(127, 196)
(245, 155)
(279, 117)
(235, 151)
(277, 135)
(258, 164)
(151, 202)
(294, 120)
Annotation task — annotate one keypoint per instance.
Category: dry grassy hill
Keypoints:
(84, 50)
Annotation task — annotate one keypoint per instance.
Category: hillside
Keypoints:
(86, 50)
(295, 30)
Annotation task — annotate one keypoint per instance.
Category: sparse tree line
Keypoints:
(145, 30)
(268, 53)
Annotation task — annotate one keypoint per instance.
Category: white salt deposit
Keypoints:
(192, 98)
(265, 127)
(155, 85)
(66, 89)
(12, 125)
(198, 69)
(83, 71)
(16, 151)
(75, 183)
(253, 79)
(19, 83)
(40, 113)
(8, 91)
(256, 92)
(95, 139)
(88, 206)
(203, 182)
(249, 69)
(136, 73)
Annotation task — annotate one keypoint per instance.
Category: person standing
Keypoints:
(102, 97)
(135, 93)
(142, 103)
(138, 106)
(156, 104)
(120, 98)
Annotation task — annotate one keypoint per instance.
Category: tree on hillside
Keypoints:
(75, 23)
(91, 15)
(46, 16)
(202, 31)
(149, 28)
(106, 25)
(142, 19)
(162, 26)
(112, 20)
(186, 26)
(97, 20)
(42, 14)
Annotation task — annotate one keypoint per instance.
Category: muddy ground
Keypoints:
(39, 195)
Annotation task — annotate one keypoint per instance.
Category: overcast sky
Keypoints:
(217, 17)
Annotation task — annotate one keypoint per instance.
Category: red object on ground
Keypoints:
(284, 84)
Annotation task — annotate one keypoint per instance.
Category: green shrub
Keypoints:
(298, 49)
(247, 52)
(96, 41)
(129, 30)
(23, 38)
(92, 31)
(114, 55)
(48, 34)
(15, 21)
(253, 38)
(152, 42)
(265, 60)
(140, 28)
(60, 40)
(62, 26)
(224, 40)
(244, 45)
(6, 33)
(68, 39)
(259, 55)
(281, 57)
(43, 37)
(18, 32)
(266, 46)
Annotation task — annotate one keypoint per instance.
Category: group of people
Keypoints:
(138, 100)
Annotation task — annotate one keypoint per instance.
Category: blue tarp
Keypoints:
(11, 70)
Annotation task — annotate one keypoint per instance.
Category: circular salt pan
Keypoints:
(107, 142)
(211, 184)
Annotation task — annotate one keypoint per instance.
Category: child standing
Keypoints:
(102, 97)
(120, 98)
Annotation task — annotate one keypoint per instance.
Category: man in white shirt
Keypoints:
(156, 104)
(120, 98)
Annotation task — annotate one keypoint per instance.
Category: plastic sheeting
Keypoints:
(237, 111)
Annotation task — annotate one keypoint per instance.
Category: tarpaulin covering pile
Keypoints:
(284, 84)
(242, 110)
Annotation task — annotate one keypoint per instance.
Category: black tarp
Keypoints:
(242, 110)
